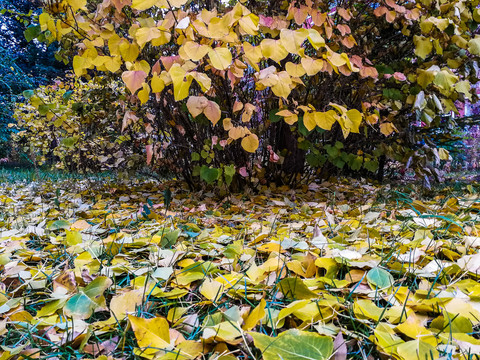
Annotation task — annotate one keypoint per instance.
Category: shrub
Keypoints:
(274, 91)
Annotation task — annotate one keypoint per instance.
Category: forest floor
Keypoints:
(340, 270)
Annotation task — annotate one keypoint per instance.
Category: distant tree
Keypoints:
(24, 64)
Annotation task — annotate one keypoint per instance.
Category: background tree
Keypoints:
(24, 64)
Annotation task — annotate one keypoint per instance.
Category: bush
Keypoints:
(279, 91)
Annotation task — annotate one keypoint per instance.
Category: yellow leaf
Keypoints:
(366, 309)
(423, 46)
(227, 124)
(164, 38)
(387, 128)
(312, 66)
(220, 58)
(273, 49)
(80, 64)
(474, 46)
(270, 247)
(180, 86)
(77, 4)
(325, 120)
(252, 53)
(196, 105)
(113, 64)
(223, 332)
(144, 94)
(249, 24)
(248, 112)
(194, 51)
(250, 143)
(413, 329)
(151, 334)
(157, 84)
(114, 44)
(202, 79)
(355, 118)
(282, 87)
(255, 316)
(315, 39)
(236, 132)
(218, 27)
(337, 59)
(133, 80)
(294, 70)
(43, 20)
(309, 120)
(212, 290)
(289, 117)
(146, 34)
(292, 40)
(417, 349)
(177, 3)
(443, 154)
(125, 303)
(128, 51)
(147, 4)
(464, 88)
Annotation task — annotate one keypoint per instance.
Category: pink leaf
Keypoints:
(243, 171)
(400, 76)
(339, 348)
(133, 79)
(149, 149)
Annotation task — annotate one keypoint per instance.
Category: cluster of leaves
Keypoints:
(344, 270)
(231, 93)
(23, 64)
(73, 125)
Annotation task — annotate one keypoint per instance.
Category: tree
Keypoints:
(23, 64)
(276, 91)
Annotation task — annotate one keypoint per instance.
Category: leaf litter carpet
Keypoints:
(329, 271)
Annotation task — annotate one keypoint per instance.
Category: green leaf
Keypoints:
(371, 165)
(272, 115)
(169, 239)
(209, 175)
(379, 278)
(58, 224)
(27, 94)
(32, 32)
(68, 142)
(315, 160)
(294, 288)
(67, 95)
(294, 344)
(96, 288)
(195, 156)
(229, 172)
(79, 306)
(44, 109)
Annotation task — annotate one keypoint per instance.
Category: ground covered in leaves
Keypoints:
(330, 271)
